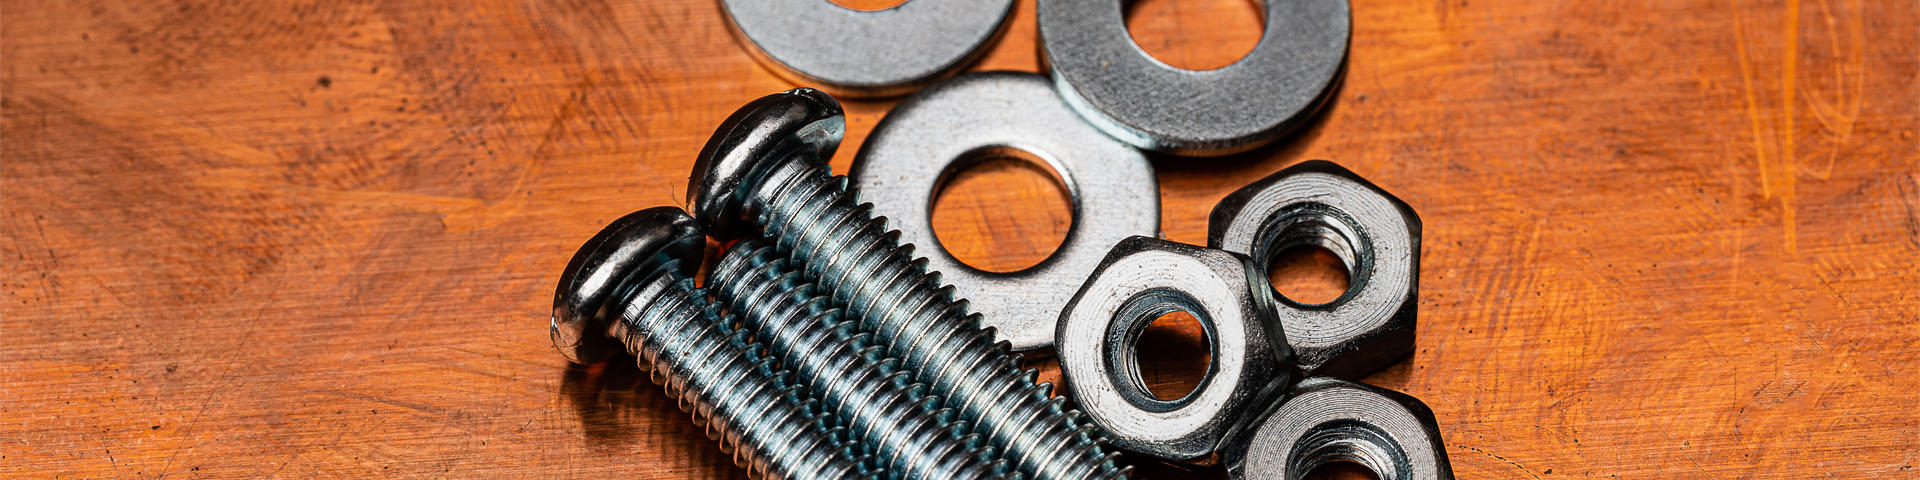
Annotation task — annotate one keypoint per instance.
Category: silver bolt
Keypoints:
(640, 266)
(765, 167)
(910, 434)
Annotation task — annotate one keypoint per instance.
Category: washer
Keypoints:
(859, 53)
(1288, 76)
(934, 133)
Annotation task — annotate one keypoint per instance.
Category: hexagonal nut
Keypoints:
(1141, 279)
(1325, 420)
(1377, 236)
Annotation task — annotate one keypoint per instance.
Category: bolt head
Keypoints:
(624, 252)
(758, 136)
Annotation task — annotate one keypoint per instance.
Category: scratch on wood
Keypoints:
(1788, 154)
(1752, 102)
(1515, 464)
(1909, 198)
(1777, 170)
(1771, 394)
(1739, 234)
(1837, 119)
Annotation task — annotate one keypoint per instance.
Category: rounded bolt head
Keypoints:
(626, 249)
(751, 141)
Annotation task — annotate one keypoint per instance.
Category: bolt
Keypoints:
(765, 166)
(641, 266)
(910, 434)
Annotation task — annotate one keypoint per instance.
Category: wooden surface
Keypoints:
(248, 239)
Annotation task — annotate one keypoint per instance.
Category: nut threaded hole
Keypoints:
(1173, 355)
(1342, 470)
(1183, 342)
(1314, 255)
(1344, 446)
(1309, 274)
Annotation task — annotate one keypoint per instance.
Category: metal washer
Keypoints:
(866, 53)
(930, 136)
(1127, 93)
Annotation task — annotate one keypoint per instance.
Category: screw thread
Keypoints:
(909, 433)
(732, 390)
(817, 219)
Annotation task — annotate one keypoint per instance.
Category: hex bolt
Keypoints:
(640, 266)
(765, 166)
(911, 435)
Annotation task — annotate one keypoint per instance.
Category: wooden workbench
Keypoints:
(320, 238)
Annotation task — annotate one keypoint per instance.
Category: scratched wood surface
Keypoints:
(305, 238)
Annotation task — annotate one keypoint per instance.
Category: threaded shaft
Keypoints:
(732, 390)
(815, 217)
(909, 433)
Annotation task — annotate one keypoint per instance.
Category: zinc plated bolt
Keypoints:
(765, 167)
(639, 268)
(911, 435)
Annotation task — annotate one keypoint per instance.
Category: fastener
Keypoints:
(765, 167)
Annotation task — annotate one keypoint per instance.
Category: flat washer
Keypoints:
(932, 134)
(866, 53)
(1126, 92)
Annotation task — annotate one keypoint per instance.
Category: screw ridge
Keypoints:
(732, 390)
(816, 218)
(908, 431)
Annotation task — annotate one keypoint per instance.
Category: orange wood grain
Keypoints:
(306, 238)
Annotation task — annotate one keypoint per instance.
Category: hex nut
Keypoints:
(1377, 236)
(1325, 420)
(1141, 279)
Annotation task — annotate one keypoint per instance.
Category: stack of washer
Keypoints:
(1276, 400)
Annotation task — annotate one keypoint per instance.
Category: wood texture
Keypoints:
(307, 238)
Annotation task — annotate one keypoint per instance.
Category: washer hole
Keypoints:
(869, 5)
(1313, 255)
(1196, 34)
(1344, 446)
(1173, 355)
(1001, 209)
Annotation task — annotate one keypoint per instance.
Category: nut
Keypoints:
(1377, 236)
(1325, 420)
(1141, 279)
